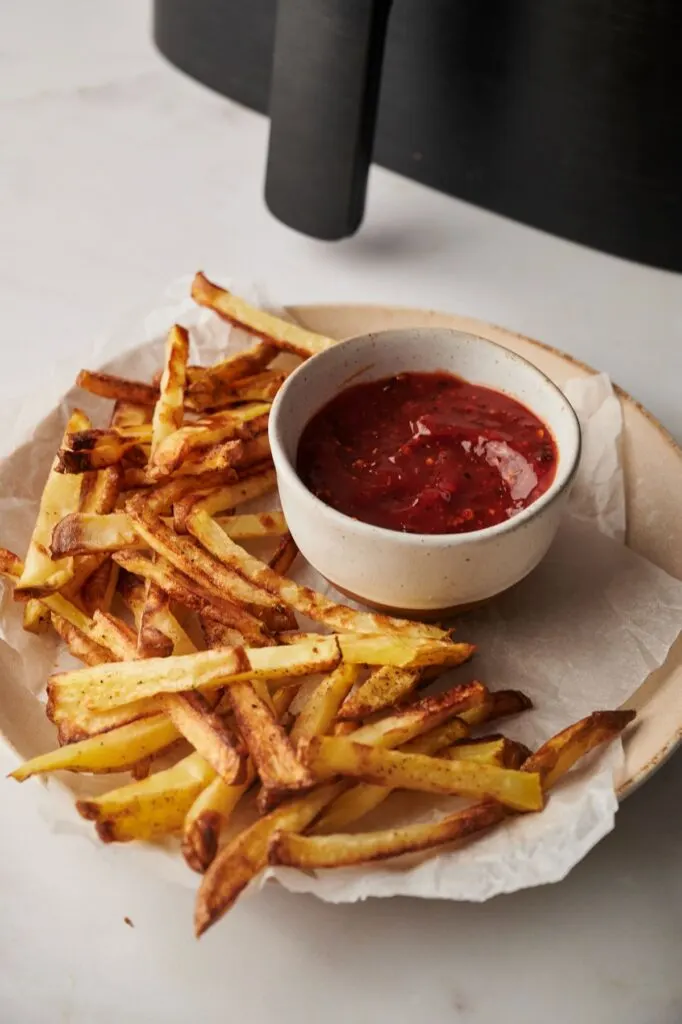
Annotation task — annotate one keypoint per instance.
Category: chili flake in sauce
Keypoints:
(426, 453)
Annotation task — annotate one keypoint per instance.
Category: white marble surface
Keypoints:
(117, 174)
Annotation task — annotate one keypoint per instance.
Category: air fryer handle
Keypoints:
(323, 103)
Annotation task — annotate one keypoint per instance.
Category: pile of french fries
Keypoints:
(197, 679)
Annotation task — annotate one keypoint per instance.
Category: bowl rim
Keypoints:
(285, 467)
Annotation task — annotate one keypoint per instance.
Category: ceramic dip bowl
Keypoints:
(423, 575)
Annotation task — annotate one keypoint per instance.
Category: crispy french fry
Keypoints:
(114, 751)
(209, 735)
(364, 797)
(36, 616)
(498, 704)
(193, 595)
(301, 598)
(327, 756)
(209, 385)
(270, 329)
(259, 387)
(194, 437)
(109, 686)
(79, 644)
(98, 590)
(285, 555)
(41, 575)
(220, 499)
(497, 750)
(114, 634)
(206, 817)
(190, 558)
(106, 385)
(403, 651)
(93, 449)
(150, 808)
(384, 687)
(551, 761)
(152, 642)
(169, 409)
(241, 860)
(216, 457)
(424, 715)
(319, 711)
(271, 751)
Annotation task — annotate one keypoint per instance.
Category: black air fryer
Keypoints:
(564, 114)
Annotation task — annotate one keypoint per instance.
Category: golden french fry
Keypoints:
(271, 750)
(558, 755)
(114, 751)
(268, 328)
(220, 499)
(106, 385)
(152, 642)
(150, 808)
(259, 387)
(285, 555)
(91, 449)
(194, 437)
(41, 575)
(109, 686)
(327, 756)
(209, 384)
(302, 599)
(169, 409)
(404, 650)
(79, 644)
(208, 814)
(241, 860)
(209, 735)
(36, 616)
(498, 704)
(407, 723)
(385, 686)
(319, 711)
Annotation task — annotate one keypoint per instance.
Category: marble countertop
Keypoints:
(117, 175)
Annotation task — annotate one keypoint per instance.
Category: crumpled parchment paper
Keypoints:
(582, 632)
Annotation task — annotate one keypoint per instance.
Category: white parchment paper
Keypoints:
(582, 632)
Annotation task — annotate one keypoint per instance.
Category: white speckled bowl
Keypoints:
(419, 574)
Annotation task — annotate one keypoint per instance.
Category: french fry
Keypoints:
(99, 588)
(428, 713)
(114, 751)
(268, 328)
(259, 387)
(153, 807)
(550, 762)
(169, 409)
(128, 414)
(271, 751)
(327, 756)
(194, 437)
(106, 385)
(193, 595)
(151, 641)
(384, 687)
(206, 817)
(207, 732)
(319, 711)
(496, 750)
(220, 499)
(208, 386)
(87, 533)
(364, 797)
(41, 575)
(36, 617)
(89, 449)
(285, 555)
(190, 558)
(222, 456)
(498, 704)
(109, 686)
(302, 599)
(242, 859)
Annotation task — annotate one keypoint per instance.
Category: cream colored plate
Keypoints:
(653, 473)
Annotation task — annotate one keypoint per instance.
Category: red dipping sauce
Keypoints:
(426, 453)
